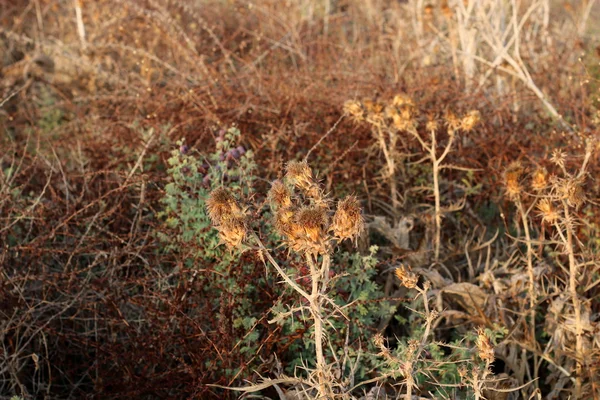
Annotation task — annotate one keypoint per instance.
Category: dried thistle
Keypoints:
(404, 120)
(227, 216)
(484, 347)
(232, 231)
(512, 179)
(379, 341)
(572, 191)
(539, 179)
(558, 158)
(432, 123)
(452, 121)
(348, 222)
(280, 195)
(355, 110)
(221, 205)
(284, 218)
(407, 277)
(469, 121)
(313, 220)
(299, 174)
(373, 107)
(547, 211)
(401, 100)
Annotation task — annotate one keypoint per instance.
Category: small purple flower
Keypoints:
(235, 153)
(206, 181)
(221, 157)
(241, 150)
(183, 149)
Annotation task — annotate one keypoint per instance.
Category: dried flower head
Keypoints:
(404, 119)
(373, 107)
(539, 179)
(512, 179)
(299, 174)
(284, 219)
(401, 100)
(469, 121)
(348, 222)
(232, 231)
(484, 346)
(558, 158)
(452, 121)
(432, 123)
(312, 220)
(280, 195)
(572, 191)
(547, 211)
(407, 277)
(221, 205)
(379, 341)
(355, 110)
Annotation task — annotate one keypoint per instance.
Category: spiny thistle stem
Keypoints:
(532, 297)
(316, 311)
(573, 273)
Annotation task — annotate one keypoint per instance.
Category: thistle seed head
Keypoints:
(407, 278)
(547, 211)
(401, 100)
(221, 205)
(572, 191)
(512, 179)
(539, 179)
(280, 195)
(233, 231)
(484, 346)
(452, 121)
(558, 158)
(354, 109)
(469, 121)
(300, 174)
(373, 107)
(312, 220)
(348, 222)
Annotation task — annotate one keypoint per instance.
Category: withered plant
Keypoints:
(390, 121)
(305, 218)
(553, 201)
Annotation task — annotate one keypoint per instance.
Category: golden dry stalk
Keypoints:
(484, 346)
(280, 195)
(348, 222)
(407, 278)
(221, 205)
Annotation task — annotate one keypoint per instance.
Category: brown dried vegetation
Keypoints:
(94, 94)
